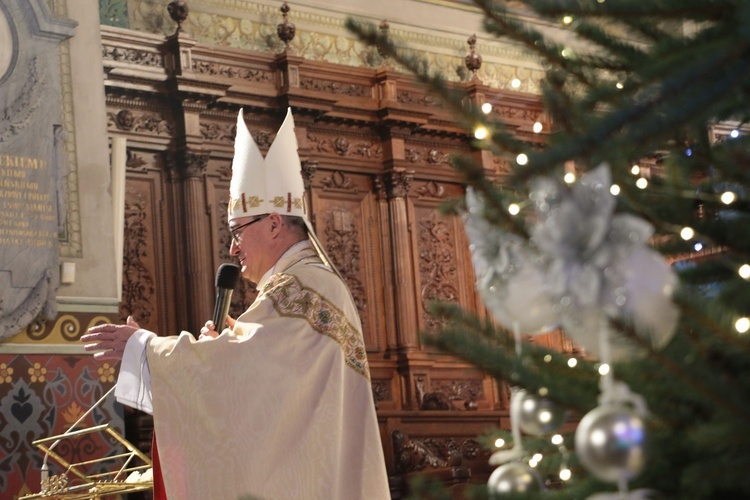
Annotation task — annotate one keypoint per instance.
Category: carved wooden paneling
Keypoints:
(345, 216)
(441, 252)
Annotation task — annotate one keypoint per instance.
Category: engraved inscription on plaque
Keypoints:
(32, 166)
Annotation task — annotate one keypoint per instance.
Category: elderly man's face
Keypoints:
(249, 245)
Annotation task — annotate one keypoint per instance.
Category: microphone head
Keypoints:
(228, 276)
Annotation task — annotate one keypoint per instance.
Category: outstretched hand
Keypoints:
(109, 340)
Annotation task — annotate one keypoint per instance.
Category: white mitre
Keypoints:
(274, 184)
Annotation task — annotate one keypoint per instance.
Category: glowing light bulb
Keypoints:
(481, 132)
(513, 209)
(569, 178)
(557, 440)
(728, 197)
(566, 53)
(567, 20)
(515, 83)
(572, 362)
(565, 474)
(499, 442)
(603, 369)
(698, 247)
(744, 271)
(687, 233)
(635, 170)
(742, 325)
(486, 108)
(619, 85)
(641, 183)
(543, 391)
(548, 357)
(614, 189)
(537, 127)
(522, 159)
(734, 134)
(537, 457)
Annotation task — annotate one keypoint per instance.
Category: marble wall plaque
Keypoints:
(32, 161)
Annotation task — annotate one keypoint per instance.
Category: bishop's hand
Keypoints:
(109, 340)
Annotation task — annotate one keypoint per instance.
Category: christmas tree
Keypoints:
(630, 231)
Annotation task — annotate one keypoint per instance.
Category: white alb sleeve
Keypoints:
(134, 381)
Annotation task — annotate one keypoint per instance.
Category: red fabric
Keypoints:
(159, 491)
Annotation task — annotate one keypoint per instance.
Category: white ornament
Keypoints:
(610, 442)
(539, 416)
(509, 280)
(514, 478)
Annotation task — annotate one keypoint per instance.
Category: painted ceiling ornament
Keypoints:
(597, 265)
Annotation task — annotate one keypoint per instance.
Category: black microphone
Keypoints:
(227, 278)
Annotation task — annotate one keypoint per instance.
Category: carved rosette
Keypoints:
(141, 122)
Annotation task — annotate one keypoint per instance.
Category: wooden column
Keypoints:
(397, 185)
(197, 242)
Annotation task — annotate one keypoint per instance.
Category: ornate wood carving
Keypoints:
(398, 183)
(381, 390)
(141, 122)
(195, 163)
(341, 146)
(340, 181)
(130, 55)
(437, 264)
(415, 455)
(138, 284)
(342, 244)
(431, 189)
(230, 71)
(334, 87)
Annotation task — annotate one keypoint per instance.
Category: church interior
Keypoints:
(136, 102)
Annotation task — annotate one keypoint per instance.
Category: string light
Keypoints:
(728, 197)
(687, 233)
(486, 108)
(744, 272)
(742, 325)
(641, 183)
(635, 170)
(499, 442)
(481, 132)
(557, 439)
(603, 369)
(522, 159)
(572, 362)
(688, 152)
(537, 457)
(565, 474)
(513, 208)
(619, 85)
(698, 247)
(569, 178)
(566, 53)
(537, 127)
(567, 20)
(543, 391)
(614, 189)
(548, 357)
(734, 134)
(515, 83)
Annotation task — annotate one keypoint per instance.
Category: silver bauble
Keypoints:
(514, 477)
(610, 442)
(539, 416)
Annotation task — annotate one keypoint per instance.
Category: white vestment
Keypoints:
(279, 408)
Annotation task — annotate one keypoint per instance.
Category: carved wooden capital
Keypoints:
(309, 167)
(398, 183)
(194, 163)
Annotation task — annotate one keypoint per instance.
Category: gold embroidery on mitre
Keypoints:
(292, 299)
(298, 203)
(279, 202)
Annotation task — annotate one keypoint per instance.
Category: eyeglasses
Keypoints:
(237, 230)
